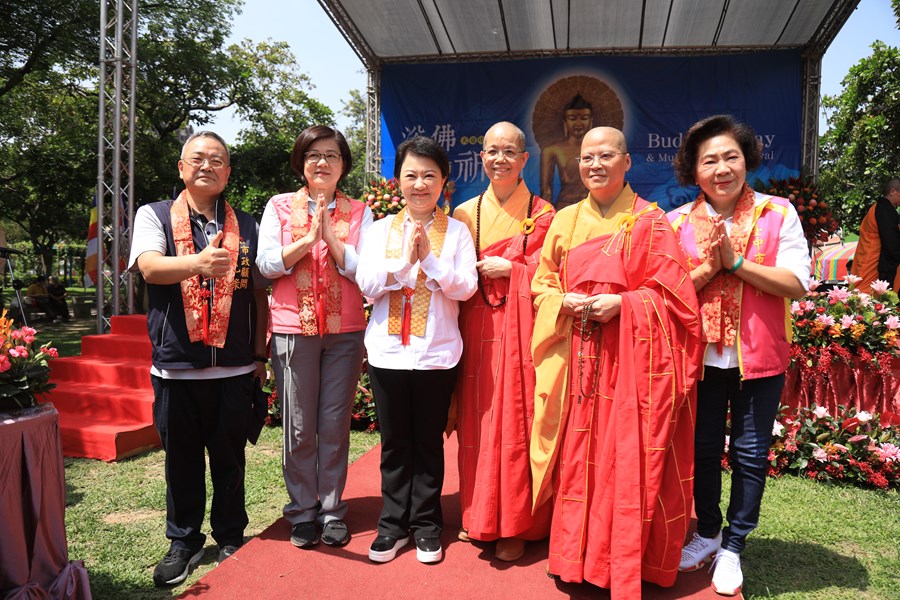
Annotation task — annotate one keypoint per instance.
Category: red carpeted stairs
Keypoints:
(104, 397)
(269, 567)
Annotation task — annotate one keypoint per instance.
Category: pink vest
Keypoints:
(283, 303)
(764, 330)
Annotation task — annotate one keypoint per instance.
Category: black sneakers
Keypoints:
(335, 533)
(304, 535)
(175, 566)
(428, 550)
(226, 551)
(385, 548)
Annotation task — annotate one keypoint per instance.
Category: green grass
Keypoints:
(115, 514)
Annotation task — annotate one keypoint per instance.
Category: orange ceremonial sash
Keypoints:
(419, 297)
(202, 326)
(319, 313)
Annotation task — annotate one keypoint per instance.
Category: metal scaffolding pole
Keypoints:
(115, 157)
(373, 124)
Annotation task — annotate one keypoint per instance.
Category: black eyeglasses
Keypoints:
(314, 157)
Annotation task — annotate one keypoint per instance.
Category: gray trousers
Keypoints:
(316, 378)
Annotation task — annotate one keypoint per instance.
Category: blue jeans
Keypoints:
(754, 404)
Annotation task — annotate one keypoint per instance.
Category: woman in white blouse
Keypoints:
(416, 266)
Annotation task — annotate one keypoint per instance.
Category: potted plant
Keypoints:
(24, 368)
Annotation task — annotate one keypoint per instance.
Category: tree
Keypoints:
(355, 109)
(859, 151)
(276, 112)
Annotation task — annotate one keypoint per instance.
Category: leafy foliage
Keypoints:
(24, 372)
(355, 108)
(859, 151)
(814, 213)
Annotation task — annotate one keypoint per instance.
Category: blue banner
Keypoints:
(653, 100)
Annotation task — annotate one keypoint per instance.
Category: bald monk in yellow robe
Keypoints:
(616, 350)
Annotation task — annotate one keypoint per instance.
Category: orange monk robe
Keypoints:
(495, 387)
(620, 438)
(868, 251)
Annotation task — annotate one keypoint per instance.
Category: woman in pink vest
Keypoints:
(747, 255)
(308, 243)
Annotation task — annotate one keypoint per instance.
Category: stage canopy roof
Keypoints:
(387, 31)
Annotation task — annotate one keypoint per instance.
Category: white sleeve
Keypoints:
(269, 248)
(351, 256)
(148, 236)
(373, 268)
(793, 251)
(456, 278)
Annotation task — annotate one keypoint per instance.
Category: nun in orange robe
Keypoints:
(495, 389)
(614, 406)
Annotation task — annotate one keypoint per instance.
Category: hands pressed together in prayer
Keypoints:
(603, 307)
(719, 252)
(419, 245)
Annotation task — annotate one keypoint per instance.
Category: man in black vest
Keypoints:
(207, 321)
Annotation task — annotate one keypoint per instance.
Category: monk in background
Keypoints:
(878, 251)
(495, 389)
(616, 350)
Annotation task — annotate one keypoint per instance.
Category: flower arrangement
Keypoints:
(815, 216)
(24, 371)
(383, 197)
(853, 446)
(363, 415)
(846, 323)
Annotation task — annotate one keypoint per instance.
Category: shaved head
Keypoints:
(511, 132)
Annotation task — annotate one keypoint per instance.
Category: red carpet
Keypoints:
(269, 567)
(104, 397)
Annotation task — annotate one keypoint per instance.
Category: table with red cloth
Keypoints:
(34, 556)
(829, 263)
(860, 386)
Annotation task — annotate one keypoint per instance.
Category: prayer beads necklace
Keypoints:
(478, 246)
(585, 332)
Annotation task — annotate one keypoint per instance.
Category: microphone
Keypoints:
(8, 251)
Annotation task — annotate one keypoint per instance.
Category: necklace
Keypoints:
(586, 331)
(478, 246)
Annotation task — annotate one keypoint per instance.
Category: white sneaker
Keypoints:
(698, 552)
(727, 576)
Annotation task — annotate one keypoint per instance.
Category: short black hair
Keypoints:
(685, 162)
(310, 136)
(424, 147)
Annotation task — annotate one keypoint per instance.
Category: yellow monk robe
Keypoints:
(495, 387)
(613, 430)
(868, 251)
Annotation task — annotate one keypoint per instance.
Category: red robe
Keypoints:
(495, 396)
(625, 457)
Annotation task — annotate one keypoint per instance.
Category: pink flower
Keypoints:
(852, 279)
(777, 429)
(857, 438)
(28, 338)
(52, 352)
(813, 284)
(5, 365)
(29, 331)
(821, 412)
(840, 447)
(826, 320)
(863, 416)
(879, 286)
(865, 300)
(18, 352)
(819, 454)
(847, 321)
(838, 295)
(807, 305)
(795, 308)
(892, 322)
(889, 452)
(16, 334)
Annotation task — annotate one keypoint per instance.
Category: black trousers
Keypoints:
(412, 414)
(193, 416)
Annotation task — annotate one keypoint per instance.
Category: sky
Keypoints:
(334, 68)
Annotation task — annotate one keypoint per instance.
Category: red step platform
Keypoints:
(104, 396)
